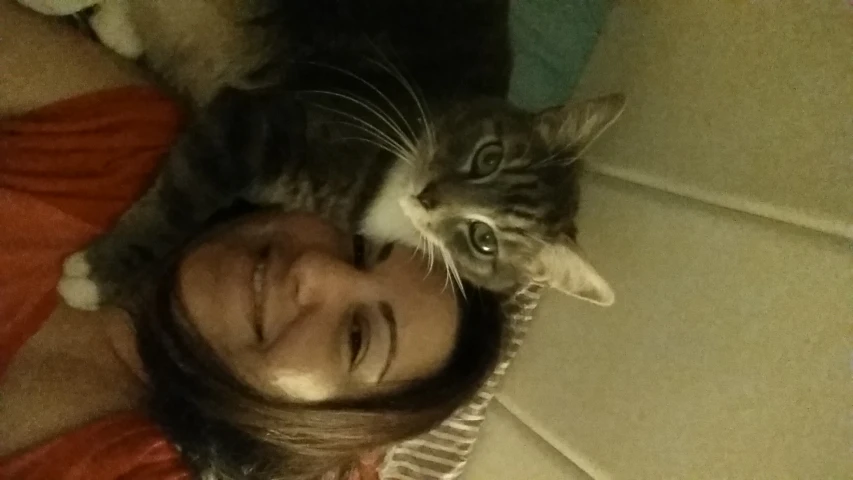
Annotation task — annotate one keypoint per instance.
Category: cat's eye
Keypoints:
(483, 238)
(487, 159)
(359, 340)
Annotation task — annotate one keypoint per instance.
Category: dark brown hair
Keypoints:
(226, 430)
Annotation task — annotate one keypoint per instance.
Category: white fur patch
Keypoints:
(75, 287)
(76, 265)
(385, 218)
(57, 7)
(79, 293)
(114, 28)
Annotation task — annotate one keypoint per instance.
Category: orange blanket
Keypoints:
(66, 173)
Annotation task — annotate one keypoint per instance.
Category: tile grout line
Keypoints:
(788, 216)
(780, 214)
(549, 439)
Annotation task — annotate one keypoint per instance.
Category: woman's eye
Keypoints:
(483, 238)
(487, 160)
(357, 341)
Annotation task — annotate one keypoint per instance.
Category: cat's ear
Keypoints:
(577, 125)
(563, 266)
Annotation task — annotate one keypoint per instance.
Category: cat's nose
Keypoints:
(428, 197)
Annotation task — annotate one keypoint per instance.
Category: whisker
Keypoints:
(365, 124)
(375, 89)
(423, 107)
(378, 142)
(420, 248)
(373, 142)
(429, 253)
(446, 278)
(370, 107)
(369, 128)
(452, 269)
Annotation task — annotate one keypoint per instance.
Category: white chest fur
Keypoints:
(385, 219)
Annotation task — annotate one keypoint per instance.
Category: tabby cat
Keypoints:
(388, 117)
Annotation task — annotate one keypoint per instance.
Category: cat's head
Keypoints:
(496, 188)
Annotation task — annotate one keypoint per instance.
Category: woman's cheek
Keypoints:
(302, 368)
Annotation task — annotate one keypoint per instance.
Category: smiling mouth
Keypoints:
(259, 276)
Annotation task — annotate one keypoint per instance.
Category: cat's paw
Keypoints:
(57, 7)
(77, 287)
(111, 23)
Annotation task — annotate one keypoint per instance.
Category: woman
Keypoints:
(273, 347)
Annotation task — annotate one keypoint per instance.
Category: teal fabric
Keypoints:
(552, 40)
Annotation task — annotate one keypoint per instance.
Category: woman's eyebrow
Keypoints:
(388, 315)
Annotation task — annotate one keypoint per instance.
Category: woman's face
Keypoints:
(302, 312)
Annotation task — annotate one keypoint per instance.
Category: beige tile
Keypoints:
(740, 102)
(509, 450)
(726, 356)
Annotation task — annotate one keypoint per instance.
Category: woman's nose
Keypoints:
(325, 283)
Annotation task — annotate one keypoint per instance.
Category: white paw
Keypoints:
(57, 7)
(76, 265)
(114, 29)
(75, 286)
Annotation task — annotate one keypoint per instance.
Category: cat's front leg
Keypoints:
(239, 140)
(108, 268)
(110, 21)
(112, 24)
(188, 190)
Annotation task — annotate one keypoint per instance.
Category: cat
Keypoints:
(389, 117)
